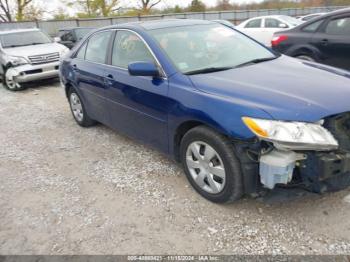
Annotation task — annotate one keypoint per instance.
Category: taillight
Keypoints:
(278, 39)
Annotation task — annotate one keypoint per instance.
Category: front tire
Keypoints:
(306, 58)
(78, 109)
(10, 83)
(211, 166)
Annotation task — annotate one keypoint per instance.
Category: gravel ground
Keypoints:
(71, 190)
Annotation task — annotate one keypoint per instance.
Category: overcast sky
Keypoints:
(52, 5)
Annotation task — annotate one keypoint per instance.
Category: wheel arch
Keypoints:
(181, 130)
(304, 50)
(67, 87)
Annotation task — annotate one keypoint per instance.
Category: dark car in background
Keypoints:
(70, 36)
(325, 39)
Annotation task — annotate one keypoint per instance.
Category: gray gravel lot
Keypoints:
(69, 190)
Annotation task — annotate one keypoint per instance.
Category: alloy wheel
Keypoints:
(12, 84)
(77, 107)
(206, 167)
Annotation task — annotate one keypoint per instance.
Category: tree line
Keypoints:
(19, 10)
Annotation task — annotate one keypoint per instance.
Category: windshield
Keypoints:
(81, 32)
(291, 20)
(200, 47)
(24, 39)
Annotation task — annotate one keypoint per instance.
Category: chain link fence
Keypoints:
(236, 16)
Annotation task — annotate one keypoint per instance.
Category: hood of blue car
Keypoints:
(285, 88)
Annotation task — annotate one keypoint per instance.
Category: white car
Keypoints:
(27, 55)
(262, 28)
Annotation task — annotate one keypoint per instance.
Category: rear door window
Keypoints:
(311, 28)
(255, 23)
(272, 23)
(97, 47)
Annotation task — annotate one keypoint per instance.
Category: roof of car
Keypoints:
(321, 17)
(314, 14)
(13, 31)
(163, 23)
(73, 28)
(340, 11)
(268, 16)
(336, 12)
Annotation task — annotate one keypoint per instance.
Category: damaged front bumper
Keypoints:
(314, 171)
(266, 167)
(28, 72)
(330, 171)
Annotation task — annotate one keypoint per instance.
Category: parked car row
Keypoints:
(262, 28)
(322, 37)
(325, 39)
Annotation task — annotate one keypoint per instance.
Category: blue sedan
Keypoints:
(240, 118)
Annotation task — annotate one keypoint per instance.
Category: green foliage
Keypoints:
(178, 9)
(197, 6)
(94, 8)
(61, 14)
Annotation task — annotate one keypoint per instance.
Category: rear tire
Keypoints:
(211, 166)
(78, 109)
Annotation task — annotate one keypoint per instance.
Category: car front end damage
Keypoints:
(22, 69)
(29, 72)
(319, 163)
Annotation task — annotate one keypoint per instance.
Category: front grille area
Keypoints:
(45, 58)
(339, 126)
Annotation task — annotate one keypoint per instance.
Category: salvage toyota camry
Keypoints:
(240, 118)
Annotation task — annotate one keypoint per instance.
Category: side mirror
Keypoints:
(282, 25)
(143, 69)
(57, 39)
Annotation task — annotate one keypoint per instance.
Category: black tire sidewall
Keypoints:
(233, 189)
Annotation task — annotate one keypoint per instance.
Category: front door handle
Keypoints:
(324, 41)
(109, 80)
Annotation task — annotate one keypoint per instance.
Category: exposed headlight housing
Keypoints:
(292, 135)
(16, 60)
(64, 51)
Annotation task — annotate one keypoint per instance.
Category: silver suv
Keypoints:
(28, 55)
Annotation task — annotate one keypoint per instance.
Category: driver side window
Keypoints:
(129, 48)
